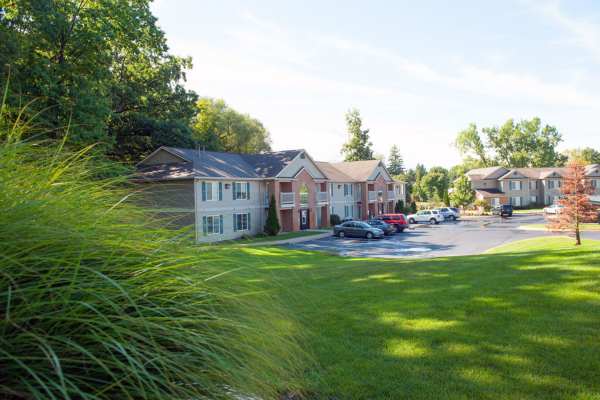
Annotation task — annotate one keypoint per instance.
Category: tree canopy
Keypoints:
(586, 155)
(395, 165)
(462, 192)
(359, 146)
(526, 143)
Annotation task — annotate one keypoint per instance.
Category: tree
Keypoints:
(435, 184)
(413, 207)
(576, 190)
(523, 144)
(417, 191)
(219, 127)
(358, 147)
(462, 193)
(399, 208)
(272, 226)
(586, 155)
(395, 164)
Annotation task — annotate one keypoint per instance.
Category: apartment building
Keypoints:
(226, 195)
(524, 187)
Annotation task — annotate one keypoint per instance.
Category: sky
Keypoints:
(419, 72)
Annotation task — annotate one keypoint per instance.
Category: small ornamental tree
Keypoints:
(272, 226)
(575, 200)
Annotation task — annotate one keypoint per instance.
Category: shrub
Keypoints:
(96, 302)
(272, 226)
(399, 208)
(334, 220)
(413, 207)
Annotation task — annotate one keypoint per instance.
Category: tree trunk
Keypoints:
(577, 236)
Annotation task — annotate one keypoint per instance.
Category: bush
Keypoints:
(413, 207)
(334, 220)
(96, 302)
(272, 226)
(399, 208)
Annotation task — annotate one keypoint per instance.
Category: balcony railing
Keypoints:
(286, 199)
(391, 195)
(322, 197)
(372, 195)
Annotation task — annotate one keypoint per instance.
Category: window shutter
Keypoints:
(204, 192)
(248, 190)
(249, 226)
(220, 191)
(221, 224)
(234, 189)
(234, 223)
(204, 224)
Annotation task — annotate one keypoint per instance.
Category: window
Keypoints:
(241, 190)
(495, 201)
(533, 185)
(212, 224)
(594, 183)
(515, 201)
(348, 189)
(533, 199)
(331, 189)
(514, 185)
(241, 222)
(304, 194)
(212, 191)
(550, 184)
(347, 211)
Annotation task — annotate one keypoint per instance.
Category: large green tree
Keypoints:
(395, 165)
(462, 192)
(359, 146)
(586, 155)
(91, 67)
(435, 184)
(219, 127)
(526, 143)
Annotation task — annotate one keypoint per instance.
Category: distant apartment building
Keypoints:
(226, 195)
(524, 187)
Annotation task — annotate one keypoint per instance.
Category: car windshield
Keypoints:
(362, 225)
(347, 224)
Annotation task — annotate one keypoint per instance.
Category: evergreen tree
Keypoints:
(413, 207)
(399, 207)
(395, 162)
(272, 226)
(358, 147)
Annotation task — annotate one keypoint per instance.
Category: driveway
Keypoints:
(463, 237)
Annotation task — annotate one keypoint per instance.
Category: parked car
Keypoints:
(357, 229)
(385, 227)
(553, 209)
(396, 220)
(504, 210)
(430, 216)
(449, 213)
(347, 219)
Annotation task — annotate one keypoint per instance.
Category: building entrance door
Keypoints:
(304, 219)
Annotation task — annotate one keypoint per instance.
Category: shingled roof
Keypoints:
(334, 174)
(357, 170)
(213, 164)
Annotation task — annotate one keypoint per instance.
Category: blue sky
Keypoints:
(419, 72)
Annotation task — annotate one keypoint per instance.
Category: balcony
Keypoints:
(372, 195)
(322, 197)
(391, 195)
(286, 199)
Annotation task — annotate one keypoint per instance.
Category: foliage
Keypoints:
(219, 127)
(272, 226)
(413, 207)
(587, 155)
(395, 164)
(334, 220)
(98, 302)
(399, 207)
(359, 146)
(434, 185)
(418, 192)
(576, 190)
(462, 193)
(90, 65)
(483, 204)
(523, 144)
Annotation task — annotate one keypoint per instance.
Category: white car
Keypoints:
(553, 209)
(432, 217)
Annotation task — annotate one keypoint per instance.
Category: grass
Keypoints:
(589, 227)
(281, 236)
(529, 211)
(519, 323)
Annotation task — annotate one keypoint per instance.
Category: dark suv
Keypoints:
(505, 210)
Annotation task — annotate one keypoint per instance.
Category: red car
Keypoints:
(396, 220)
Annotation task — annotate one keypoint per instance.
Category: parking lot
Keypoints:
(463, 237)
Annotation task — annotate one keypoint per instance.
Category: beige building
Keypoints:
(524, 187)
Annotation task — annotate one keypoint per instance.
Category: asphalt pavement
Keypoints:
(462, 237)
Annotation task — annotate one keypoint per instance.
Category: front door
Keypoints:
(304, 219)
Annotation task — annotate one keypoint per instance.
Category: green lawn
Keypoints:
(522, 322)
(541, 227)
(281, 236)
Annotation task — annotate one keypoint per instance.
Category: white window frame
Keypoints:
(514, 185)
(243, 192)
(241, 227)
(514, 203)
(533, 199)
(212, 191)
(551, 184)
(495, 201)
(215, 222)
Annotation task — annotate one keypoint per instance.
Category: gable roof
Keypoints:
(487, 173)
(213, 164)
(334, 174)
(357, 170)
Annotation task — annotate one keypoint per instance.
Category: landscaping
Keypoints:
(518, 323)
(281, 236)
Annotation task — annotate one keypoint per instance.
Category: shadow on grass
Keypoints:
(505, 325)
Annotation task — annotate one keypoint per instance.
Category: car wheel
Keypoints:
(400, 230)
(432, 221)
(369, 235)
(411, 221)
(452, 218)
(341, 234)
